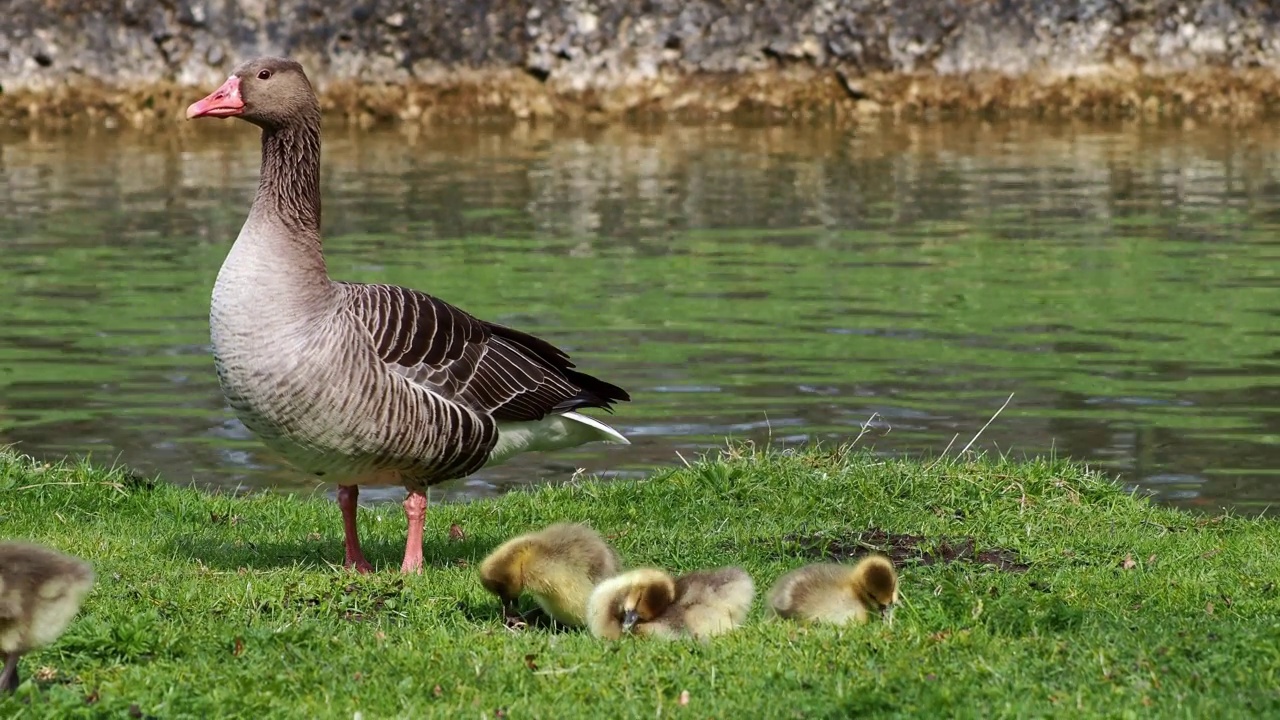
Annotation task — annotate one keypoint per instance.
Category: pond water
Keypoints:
(775, 285)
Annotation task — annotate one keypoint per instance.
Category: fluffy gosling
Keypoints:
(836, 594)
(40, 592)
(558, 566)
(650, 602)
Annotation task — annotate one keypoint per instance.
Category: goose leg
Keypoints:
(415, 509)
(347, 495)
(9, 676)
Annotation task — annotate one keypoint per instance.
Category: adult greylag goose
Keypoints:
(367, 384)
(41, 591)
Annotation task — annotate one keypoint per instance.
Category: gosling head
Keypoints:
(632, 598)
(502, 573)
(646, 595)
(874, 583)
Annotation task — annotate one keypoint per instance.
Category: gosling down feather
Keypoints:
(649, 602)
(837, 594)
(41, 591)
(359, 384)
(558, 565)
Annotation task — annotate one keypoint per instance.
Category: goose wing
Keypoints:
(491, 369)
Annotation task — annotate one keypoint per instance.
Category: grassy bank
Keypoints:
(1074, 597)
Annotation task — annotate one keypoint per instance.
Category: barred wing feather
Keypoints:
(494, 370)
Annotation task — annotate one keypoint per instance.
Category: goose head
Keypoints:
(269, 92)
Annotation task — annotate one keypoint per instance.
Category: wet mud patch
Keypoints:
(901, 548)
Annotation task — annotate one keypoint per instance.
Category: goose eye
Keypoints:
(264, 75)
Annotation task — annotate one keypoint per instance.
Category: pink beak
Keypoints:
(223, 103)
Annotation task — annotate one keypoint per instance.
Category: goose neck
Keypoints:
(289, 186)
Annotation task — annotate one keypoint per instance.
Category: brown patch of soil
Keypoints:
(781, 96)
(901, 549)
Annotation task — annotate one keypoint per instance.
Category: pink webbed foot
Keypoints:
(353, 557)
(415, 510)
(355, 561)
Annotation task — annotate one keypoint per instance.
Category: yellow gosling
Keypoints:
(837, 594)
(649, 602)
(40, 592)
(558, 565)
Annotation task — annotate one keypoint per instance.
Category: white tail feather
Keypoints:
(554, 432)
(610, 435)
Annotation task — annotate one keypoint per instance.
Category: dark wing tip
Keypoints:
(594, 392)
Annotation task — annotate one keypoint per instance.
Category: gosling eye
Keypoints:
(264, 74)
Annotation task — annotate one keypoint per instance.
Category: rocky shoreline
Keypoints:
(142, 61)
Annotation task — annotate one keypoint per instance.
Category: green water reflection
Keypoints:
(779, 285)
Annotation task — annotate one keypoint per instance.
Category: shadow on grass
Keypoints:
(372, 590)
(219, 552)
(531, 617)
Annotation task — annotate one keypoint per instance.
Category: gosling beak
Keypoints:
(629, 619)
(886, 612)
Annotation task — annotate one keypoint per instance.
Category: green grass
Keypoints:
(214, 606)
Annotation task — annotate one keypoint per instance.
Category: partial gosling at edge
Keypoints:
(836, 594)
(649, 602)
(558, 565)
(41, 591)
